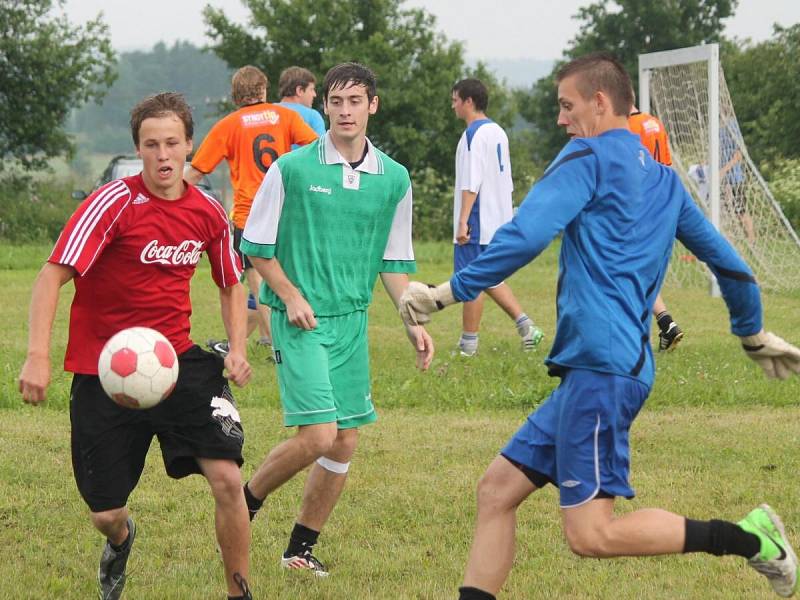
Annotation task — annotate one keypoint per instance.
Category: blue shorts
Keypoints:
(578, 438)
(463, 255)
(251, 302)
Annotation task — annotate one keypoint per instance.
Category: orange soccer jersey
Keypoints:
(251, 139)
(654, 136)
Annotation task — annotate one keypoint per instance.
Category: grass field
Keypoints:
(714, 439)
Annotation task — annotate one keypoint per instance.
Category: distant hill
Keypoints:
(202, 77)
(103, 128)
(520, 72)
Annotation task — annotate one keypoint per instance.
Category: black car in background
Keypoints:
(125, 165)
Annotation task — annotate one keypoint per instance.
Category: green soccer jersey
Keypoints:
(332, 228)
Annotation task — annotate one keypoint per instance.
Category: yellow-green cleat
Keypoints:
(776, 560)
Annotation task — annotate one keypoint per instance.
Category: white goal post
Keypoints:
(686, 89)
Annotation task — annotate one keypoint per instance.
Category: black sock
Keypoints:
(301, 540)
(720, 538)
(253, 503)
(123, 546)
(663, 319)
(471, 593)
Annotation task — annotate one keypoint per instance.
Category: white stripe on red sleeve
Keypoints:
(76, 243)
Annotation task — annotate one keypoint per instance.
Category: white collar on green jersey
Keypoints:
(329, 155)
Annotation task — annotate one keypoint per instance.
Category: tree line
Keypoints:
(416, 65)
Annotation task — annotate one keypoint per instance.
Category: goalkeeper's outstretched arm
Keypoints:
(778, 358)
(556, 199)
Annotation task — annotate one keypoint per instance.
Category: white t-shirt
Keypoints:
(483, 166)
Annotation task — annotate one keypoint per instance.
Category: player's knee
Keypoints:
(224, 478)
(587, 542)
(226, 484)
(109, 519)
(318, 439)
(345, 445)
(490, 494)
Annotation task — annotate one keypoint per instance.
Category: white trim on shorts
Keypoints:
(364, 414)
(596, 469)
(309, 412)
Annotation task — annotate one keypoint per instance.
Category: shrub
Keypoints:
(783, 175)
(34, 211)
(433, 205)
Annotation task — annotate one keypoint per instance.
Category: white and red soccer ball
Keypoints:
(138, 367)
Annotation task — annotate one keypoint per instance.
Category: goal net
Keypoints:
(686, 89)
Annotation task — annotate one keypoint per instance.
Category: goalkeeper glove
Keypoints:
(419, 300)
(775, 355)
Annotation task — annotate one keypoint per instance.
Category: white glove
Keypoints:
(419, 300)
(775, 355)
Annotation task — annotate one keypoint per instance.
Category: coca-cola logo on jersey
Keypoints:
(188, 252)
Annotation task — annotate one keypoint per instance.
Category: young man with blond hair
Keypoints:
(250, 139)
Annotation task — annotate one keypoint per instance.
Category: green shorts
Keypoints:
(323, 373)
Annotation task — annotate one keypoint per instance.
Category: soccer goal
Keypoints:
(686, 89)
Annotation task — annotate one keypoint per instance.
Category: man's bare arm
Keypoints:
(35, 374)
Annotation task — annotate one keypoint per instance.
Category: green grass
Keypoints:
(714, 439)
(403, 526)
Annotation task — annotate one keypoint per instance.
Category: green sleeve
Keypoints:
(259, 250)
(398, 266)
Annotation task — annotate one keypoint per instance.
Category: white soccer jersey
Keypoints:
(483, 166)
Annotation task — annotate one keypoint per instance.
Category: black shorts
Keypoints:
(109, 443)
(237, 240)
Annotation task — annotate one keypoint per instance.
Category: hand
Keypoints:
(423, 344)
(300, 313)
(239, 370)
(776, 356)
(462, 234)
(34, 379)
(419, 300)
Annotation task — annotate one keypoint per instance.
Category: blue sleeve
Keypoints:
(736, 280)
(317, 123)
(553, 202)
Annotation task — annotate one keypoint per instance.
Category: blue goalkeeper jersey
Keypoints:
(620, 212)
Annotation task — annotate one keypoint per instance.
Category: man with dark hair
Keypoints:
(481, 204)
(620, 212)
(327, 219)
(250, 139)
(297, 89)
(134, 240)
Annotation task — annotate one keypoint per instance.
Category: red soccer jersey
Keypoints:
(135, 254)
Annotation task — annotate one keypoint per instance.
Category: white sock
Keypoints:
(468, 342)
(523, 323)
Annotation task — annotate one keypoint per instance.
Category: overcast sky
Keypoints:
(490, 29)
